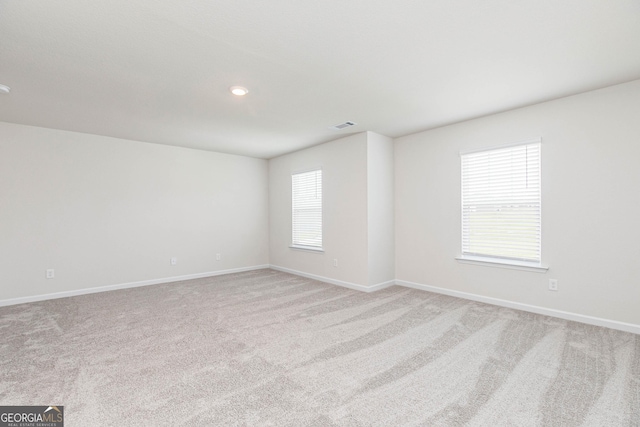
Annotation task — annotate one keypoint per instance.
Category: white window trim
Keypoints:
(488, 261)
(497, 147)
(502, 263)
(312, 249)
(306, 248)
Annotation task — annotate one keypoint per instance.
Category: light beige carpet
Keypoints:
(265, 348)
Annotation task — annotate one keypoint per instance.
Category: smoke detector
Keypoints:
(5, 89)
(342, 125)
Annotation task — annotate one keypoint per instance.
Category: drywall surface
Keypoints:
(380, 208)
(590, 204)
(104, 211)
(344, 204)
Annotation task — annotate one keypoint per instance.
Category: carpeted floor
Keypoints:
(265, 348)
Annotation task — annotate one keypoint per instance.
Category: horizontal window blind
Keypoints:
(306, 193)
(501, 203)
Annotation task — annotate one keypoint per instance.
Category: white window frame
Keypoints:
(300, 243)
(487, 252)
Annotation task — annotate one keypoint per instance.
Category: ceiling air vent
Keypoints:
(343, 125)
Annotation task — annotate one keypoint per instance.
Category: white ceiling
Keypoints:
(160, 71)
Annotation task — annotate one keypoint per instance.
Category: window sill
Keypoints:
(502, 263)
(307, 248)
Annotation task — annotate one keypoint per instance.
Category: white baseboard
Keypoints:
(64, 294)
(590, 320)
(597, 321)
(349, 285)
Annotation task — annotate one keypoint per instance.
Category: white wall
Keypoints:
(380, 208)
(344, 200)
(358, 223)
(590, 204)
(104, 211)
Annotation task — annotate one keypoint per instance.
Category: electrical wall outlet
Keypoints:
(174, 261)
(51, 273)
(218, 257)
(335, 262)
(553, 285)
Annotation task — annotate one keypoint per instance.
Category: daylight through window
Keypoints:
(501, 203)
(306, 194)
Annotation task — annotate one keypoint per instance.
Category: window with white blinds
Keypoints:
(306, 195)
(501, 203)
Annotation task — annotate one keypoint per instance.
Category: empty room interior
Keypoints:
(390, 213)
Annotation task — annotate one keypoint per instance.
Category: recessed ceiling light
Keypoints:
(239, 90)
(5, 89)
